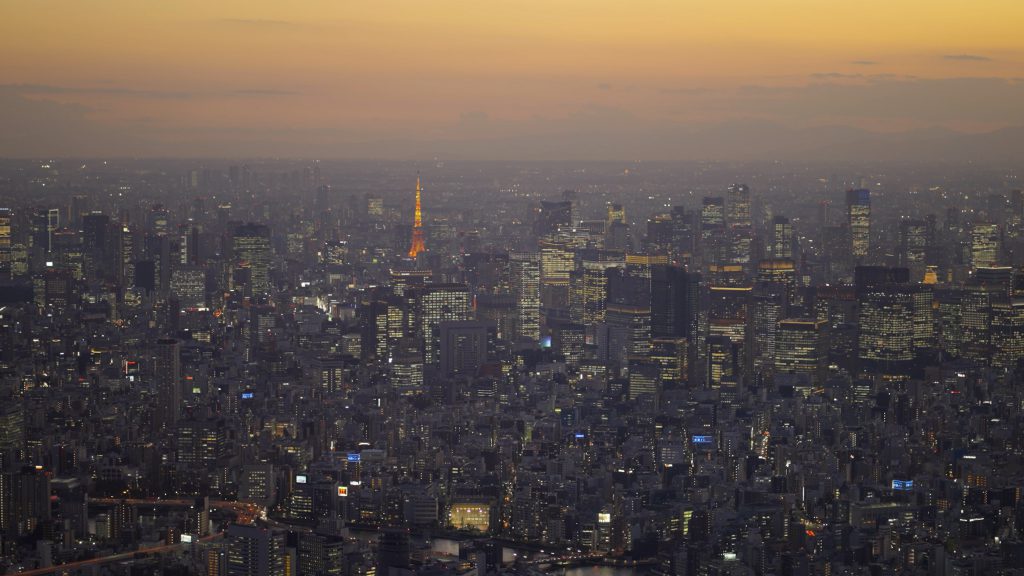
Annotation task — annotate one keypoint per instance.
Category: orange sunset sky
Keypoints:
(444, 77)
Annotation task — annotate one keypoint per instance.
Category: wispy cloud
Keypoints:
(256, 22)
(50, 89)
(966, 57)
(110, 90)
(263, 92)
(864, 62)
(835, 75)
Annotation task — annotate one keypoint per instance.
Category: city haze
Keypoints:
(514, 80)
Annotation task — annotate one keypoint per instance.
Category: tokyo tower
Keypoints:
(417, 226)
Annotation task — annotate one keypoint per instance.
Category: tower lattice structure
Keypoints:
(417, 245)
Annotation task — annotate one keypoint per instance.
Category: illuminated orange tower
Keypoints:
(417, 226)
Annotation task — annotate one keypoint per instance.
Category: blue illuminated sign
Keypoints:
(703, 439)
(246, 395)
(353, 457)
(580, 435)
(902, 484)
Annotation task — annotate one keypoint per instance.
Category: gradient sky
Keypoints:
(409, 78)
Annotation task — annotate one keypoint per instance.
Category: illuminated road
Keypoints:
(142, 552)
(246, 513)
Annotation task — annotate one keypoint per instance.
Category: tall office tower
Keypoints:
(417, 245)
(782, 238)
(167, 379)
(770, 305)
(684, 236)
(673, 357)
(591, 288)
(628, 312)
(551, 216)
(437, 303)
(67, 252)
(801, 348)
(158, 221)
(984, 304)
(12, 426)
(525, 273)
(916, 239)
(41, 224)
(924, 317)
(79, 207)
(616, 215)
(1006, 334)
(188, 284)
(675, 302)
(6, 241)
(465, 346)
(199, 443)
(779, 271)
(557, 261)
(255, 551)
(328, 375)
(985, 245)
(487, 273)
(321, 554)
(712, 230)
(724, 359)
(729, 315)
(659, 239)
(739, 224)
(126, 256)
(406, 365)
(24, 501)
(886, 320)
(858, 219)
(251, 248)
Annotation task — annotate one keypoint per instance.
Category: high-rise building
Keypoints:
(188, 284)
(417, 244)
(465, 346)
(916, 238)
(685, 235)
(251, 248)
(255, 551)
(858, 219)
(437, 303)
(739, 224)
(6, 240)
(886, 320)
(801, 348)
(167, 379)
(712, 230)
(675, 302)
(126, 257)
(525, 275)
(552, 216)
(985, 245)
(782, 238)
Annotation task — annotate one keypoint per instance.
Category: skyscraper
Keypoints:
(417, 245)
(738, 222)
(782, 238)
(858, 214)
(985, 245)
(439, 303)
(6, 217)
(251, 245)
(525, 274)
(801, 348)
(167, 373)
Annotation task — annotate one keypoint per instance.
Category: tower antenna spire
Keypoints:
(417, 245)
